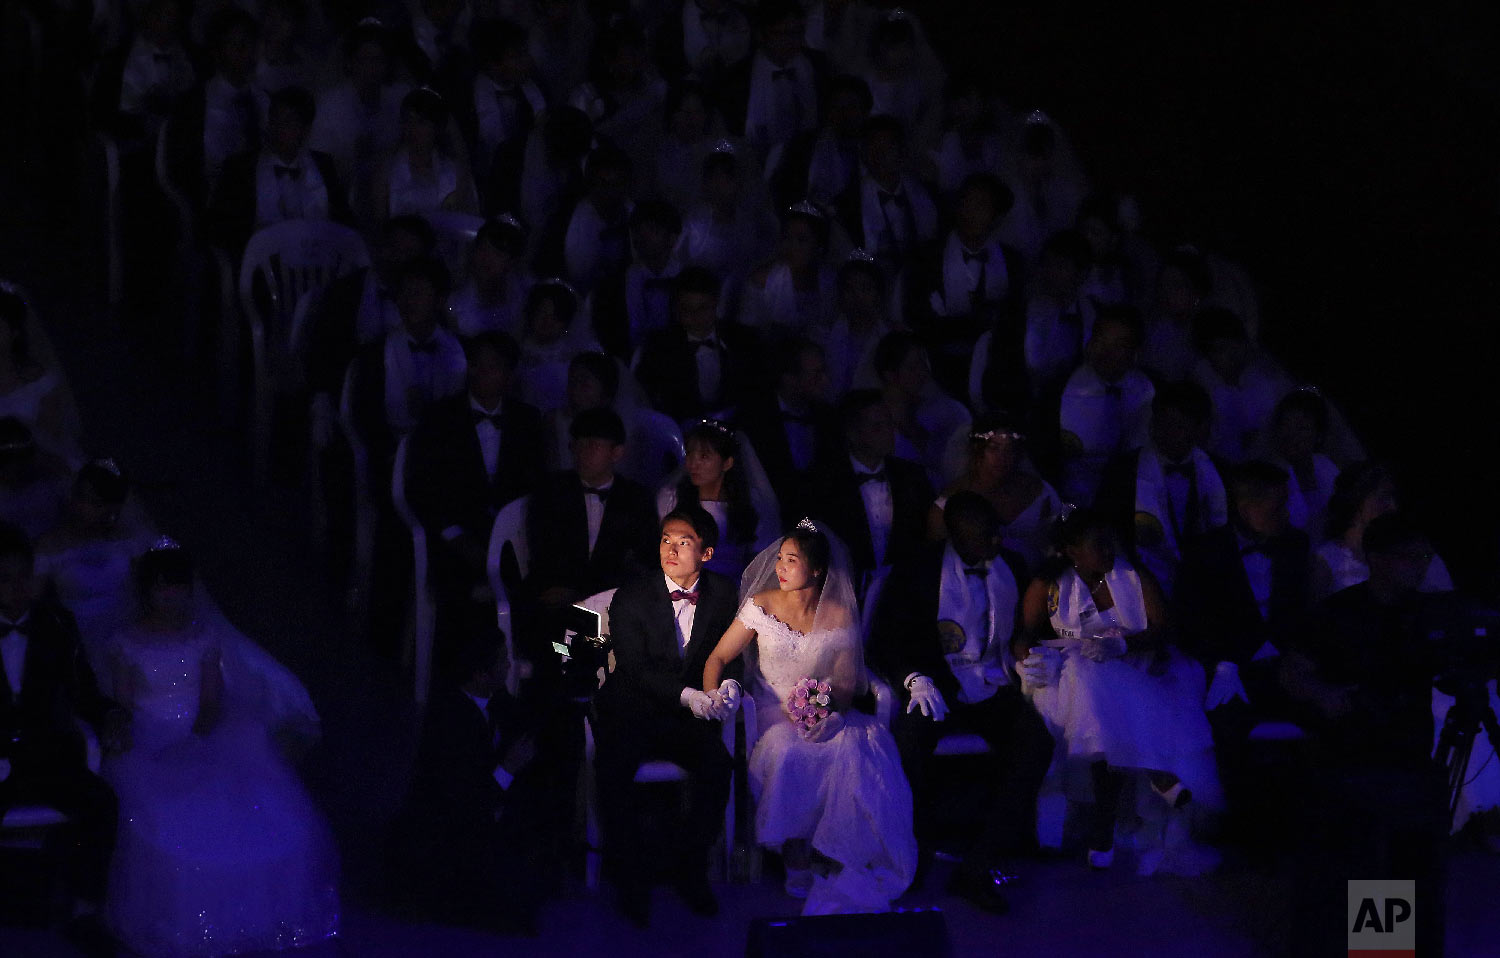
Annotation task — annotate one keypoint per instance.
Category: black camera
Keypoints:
(585, 650)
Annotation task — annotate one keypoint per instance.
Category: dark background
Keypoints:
(1345, 154)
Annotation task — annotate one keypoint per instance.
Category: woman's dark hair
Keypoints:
(720, 161)
(1001, 197)
(505, 236)
(892, 30)
(427, 105)
(564, 301)
(299, 100)
(892, 351)
(1213, 324)
(1355, 484)
(368, 31)
(866, 267)
(1308, 403)
(704, 526)
(817, 222)
(1070, 529)
(162, 566)
(1188, 398)
(680, 91)
(492, 39)
(105, 478)
(430, 270)
(480, 649)
(13, 314)
(816, 551)
(15, 542)
(742, 518)
(497, 341)
(1191, 264)
(566, 135)
(602, 368)
(1071, 246)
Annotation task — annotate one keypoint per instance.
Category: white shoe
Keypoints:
(798, 882)
(1101, 860)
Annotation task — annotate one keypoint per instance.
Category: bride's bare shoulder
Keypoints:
(836, 617)
(767, 599)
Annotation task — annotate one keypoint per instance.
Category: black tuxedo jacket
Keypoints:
(650, 673)
(764, 424)
(925, 276)
(453, 788)
(557, 532)
(668, 371)
(37, 727)
(446, 481)
(611, 315)
(231, 217)
(904, 636)
(833, 495)
(1216, 616)
(849, 210)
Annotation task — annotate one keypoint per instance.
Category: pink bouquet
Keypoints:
(811, 702)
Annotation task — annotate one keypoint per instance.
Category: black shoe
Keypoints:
(982, 888)
(699, 898)
(635, 903)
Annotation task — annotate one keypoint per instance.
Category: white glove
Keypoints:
(1102, 647)
(699, 702)
(825, 729)
(925, 696)
(1225, 688)
(729, 697)
(1042, 667)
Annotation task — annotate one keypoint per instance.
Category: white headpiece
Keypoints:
(165, 544)
(108, 465)
(807, 525)
(1038, 118)
(805, 208)
(860, 255)
(725, 147)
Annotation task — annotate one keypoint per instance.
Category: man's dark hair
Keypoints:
(704, 526)
(598, 424)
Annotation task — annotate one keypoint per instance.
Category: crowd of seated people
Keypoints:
(1040, 469)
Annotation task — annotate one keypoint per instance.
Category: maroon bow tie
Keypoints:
(677, 595)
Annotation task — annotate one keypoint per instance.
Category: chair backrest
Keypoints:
(942, 417)
(398, 489)
(455, 234)
(872, 599)
(510, 526)
(653, 447)
(978, 362)
(291, 258)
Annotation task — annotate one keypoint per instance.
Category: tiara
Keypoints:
(165, 544)
(989, 434)
(717, 425)
(561, 283)
(1187, 249)
(897, 15)
(807, 525)
(1038, 118)
(371, 22)
(1308, 389)
(17, 445)
(725, 147)
(507, 219)
(804, 208)
(1065, 512)
(424, 88)
(108, 465)
(860, 255)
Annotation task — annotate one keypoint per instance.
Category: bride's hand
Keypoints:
(826, 729)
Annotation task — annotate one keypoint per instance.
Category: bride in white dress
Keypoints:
(219, 851)
(836, 788)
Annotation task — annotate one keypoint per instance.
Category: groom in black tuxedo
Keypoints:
(953, 662)
(46, 685)
(664, 625)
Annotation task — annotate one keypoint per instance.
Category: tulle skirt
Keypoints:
(1117, 710)
(220, 850)
(848, 797)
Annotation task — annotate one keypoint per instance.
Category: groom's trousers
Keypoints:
(1020, 752)
(622, 744)
(92, 808)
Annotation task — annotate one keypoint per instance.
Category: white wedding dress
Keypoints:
(847, 796)
(220, 850)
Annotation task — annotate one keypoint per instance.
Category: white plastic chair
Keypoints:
(509, 528)
(424, 612)
(114, 223)
(26, 829)
(943, 417)
(362, 564)
(653, 447)
(288, 259)
(455, 235)
(979, 361)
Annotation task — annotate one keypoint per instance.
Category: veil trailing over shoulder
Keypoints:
(833, 643)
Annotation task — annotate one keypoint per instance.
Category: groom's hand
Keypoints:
(699, 702)
(925, 696)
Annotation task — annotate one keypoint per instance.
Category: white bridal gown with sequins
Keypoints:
(220, 850)
(847, 795)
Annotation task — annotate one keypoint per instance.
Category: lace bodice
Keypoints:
(166, 672)
(783, 656)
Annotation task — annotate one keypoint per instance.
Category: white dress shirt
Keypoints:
(880, 508)
(289, 191)
(13, 654)
(489, 437)
(1258, 571)
(683, 612)
(710, 369)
